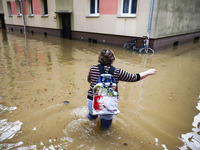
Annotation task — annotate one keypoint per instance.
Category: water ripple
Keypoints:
(192, 139)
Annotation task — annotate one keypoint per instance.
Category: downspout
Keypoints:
(23, 16)
(150, 20)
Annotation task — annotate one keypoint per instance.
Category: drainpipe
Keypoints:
(23, 16)
(150, 20)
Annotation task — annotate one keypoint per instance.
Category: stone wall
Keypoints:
(175, 17)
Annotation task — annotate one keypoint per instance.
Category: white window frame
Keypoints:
(129, 14)
(95, 9)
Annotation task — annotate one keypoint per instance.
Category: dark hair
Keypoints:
(106, 57)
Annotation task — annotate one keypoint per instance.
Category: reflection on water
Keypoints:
(9, 129)
(192, 139)
(10, 146)
(4, 108)
(38, 74)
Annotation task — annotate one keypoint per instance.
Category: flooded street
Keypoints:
(37, 74)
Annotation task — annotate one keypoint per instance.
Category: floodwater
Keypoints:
(37, 74)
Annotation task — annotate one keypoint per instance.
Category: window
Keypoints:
(30, 7)
(9, 8)
(94, 7)
(18, 7)
(44, 7)
(129, 7)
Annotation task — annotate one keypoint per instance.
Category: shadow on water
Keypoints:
(38, 74)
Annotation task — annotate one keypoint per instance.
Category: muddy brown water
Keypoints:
(37, 74)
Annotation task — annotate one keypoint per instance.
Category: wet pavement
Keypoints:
(43, 90)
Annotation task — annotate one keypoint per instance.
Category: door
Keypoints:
(66, 26)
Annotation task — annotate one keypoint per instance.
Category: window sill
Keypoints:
(46, 15)
(128, 16)
(32, 15)
(92, 16)
(19, 15)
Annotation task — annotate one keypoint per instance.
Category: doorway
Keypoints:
(66, 26)
(2, 21)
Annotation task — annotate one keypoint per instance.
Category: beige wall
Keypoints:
(175, 17)
(111, 24)
(35, 21)
(64, 5)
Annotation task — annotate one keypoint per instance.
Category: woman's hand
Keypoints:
(151, 71)
(147, 73)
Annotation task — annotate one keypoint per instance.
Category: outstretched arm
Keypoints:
(147, 73)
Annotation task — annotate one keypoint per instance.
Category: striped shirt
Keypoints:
(119, 75)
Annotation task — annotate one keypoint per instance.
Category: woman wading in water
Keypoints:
(106, 59)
